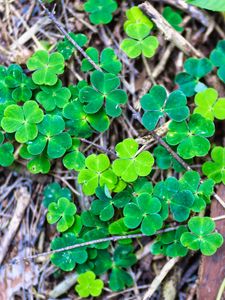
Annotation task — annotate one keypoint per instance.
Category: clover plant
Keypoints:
(135, 186)
(195, 69)
(100, 10)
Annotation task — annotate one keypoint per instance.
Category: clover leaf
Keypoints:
(136, 16)
(53, 96)
(173, 198)
(164, 160)
(217, 57)
(46, 67)
(123, 258)
(202, 236)
(53, 192)
(130, 163)
(107, 61)
(88, 285)
(5, 91)
(66, 48)
(169, 243)
(209, 106)
(156, 105)
(215, 169)
(82, 124)
(191, 137)
(142, 185)
(173, 18)
(67, 260)
(105, 88)
(104, 206)
(100, 10)
(22, 120)
(139, 42)
(6, 152)
(145, 212)
(96, 229)
(21, 84)
(51, 135)
(97, 172)
(61, 213)
(201, 191)
(74, 159)
(195, 69)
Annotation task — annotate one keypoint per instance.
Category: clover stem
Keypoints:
(148, 69)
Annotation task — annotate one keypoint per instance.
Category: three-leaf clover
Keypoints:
(139, 42)
(173, 18)
(51, 135)
(217, 57)
(215, 169)
(6, 152)
(104, 206)
(209, 106)
(202, 236)
(145, 212)
(130, 163)
(46, 67)
(97, 173)
(169, 243)
(173, 198)
(22, 120)
(136, 16)
(191, 137)
(195, 69)
(82, 124)
(53, 192)
(88, 285)
(156, 105)
(61, 213)
(105, 89)
(67, 260)
(53, 96)
(66, 48)
(100, 10)
(202, 192)
(107, 61)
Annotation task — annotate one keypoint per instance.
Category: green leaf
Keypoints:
(22, 121)
(191, 137)
(66, 48)
(136, 16)
(39, 164)
(215, 169)
(74, 160)
(53, 96)
(6, 152)
(209, 106)
(139, 43)
(215, 5)
(53, 192)
(105, 89)
(61, 213)
(107, 61)
(173, 18)
(100, 10)
(156, 105)
(195, 69)
(144, 213)
(169, 243)
(130, 164)
(119, 280)
(46, 67)
(67, 260)
(217, 57)
(202, 236)
(97, 172)
(93, 288)
(51, 135)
